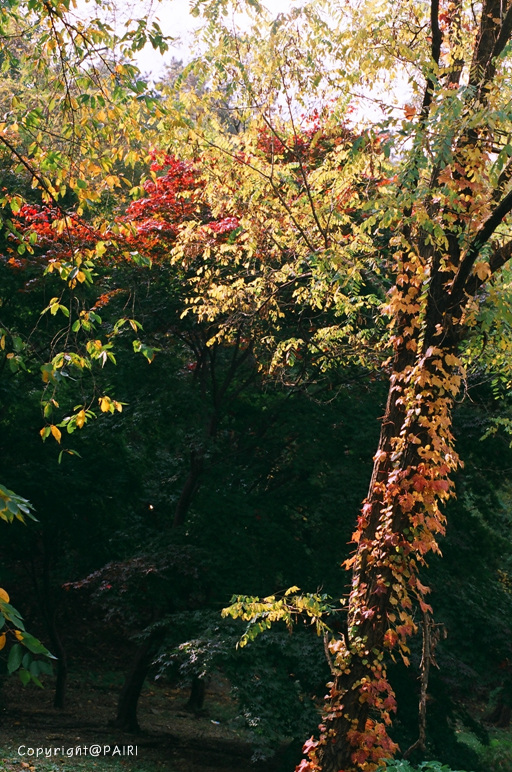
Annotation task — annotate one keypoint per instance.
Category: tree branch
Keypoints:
(505, 32)
(436, 52)
(482, 237)
(495, 30)
(498, 259)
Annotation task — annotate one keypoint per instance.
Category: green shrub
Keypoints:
(425, 766)
(497, 757)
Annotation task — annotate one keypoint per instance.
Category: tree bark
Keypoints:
(399, 523)
(197, 694)
(59, 651)
(189, 488)
(126, 717)
(49, 609)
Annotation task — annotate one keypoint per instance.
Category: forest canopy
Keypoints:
(304, 231)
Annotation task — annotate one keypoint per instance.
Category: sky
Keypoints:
(175, 20)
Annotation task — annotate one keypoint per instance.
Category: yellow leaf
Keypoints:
(18, 634)
(4, 596)
(3, 639)
(56, 432)
(104, 404)
(482, 270)
(80, 418)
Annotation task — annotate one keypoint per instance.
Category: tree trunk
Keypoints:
(439, 238)
(197, 694)
(47, 600)
(399, 524)
(126, 718)
(189, 488)
(61, 667)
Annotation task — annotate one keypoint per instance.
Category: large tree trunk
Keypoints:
(399, 524)
(436, 275)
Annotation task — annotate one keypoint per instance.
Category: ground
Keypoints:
(172, 738)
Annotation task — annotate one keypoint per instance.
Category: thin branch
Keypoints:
(267, 177)
(304, 176)
(33, 173)
(503, 179)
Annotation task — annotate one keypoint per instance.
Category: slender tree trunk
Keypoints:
(189, 488)
(59, 651)
(50, 618)
(126, 717)
(197, 694)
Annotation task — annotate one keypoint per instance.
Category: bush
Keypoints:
(497, 757)
(425, 766)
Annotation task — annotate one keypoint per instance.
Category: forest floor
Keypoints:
(172, 739)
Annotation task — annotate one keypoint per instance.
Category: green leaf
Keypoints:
(35, 646)
(34, 667)
(69, 452)
(15, 658)
(12, 615)
(45, 667)
(25, 676)
(141, 260)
